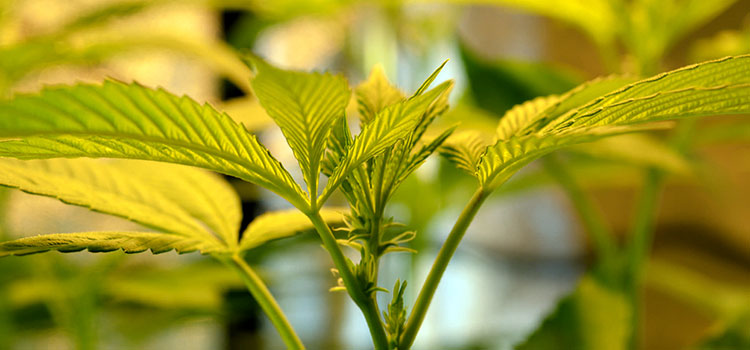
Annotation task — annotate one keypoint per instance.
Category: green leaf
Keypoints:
(375, 94)
(181, 200)
(710, 88)
(391, 124)
(95, 242)
(464, 149)
(120, 120)
(592, 317)
(285, 223)
(520, 116)
(573, 99)
(305, 106)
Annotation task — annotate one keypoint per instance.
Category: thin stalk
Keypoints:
(641, 236)
(644, 222)
(422, 303)
(591, 216)
(365, 303)
(266, 301)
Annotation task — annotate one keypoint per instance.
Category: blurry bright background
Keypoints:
(526, 248)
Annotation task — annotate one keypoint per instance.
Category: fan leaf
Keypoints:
(120, 120)
(305, 106)
(95, 242)
(375, 94)
(181, 200)
(390, 125)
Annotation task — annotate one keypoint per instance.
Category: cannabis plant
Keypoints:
(191, 210)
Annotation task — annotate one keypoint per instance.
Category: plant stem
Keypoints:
(353, 287)
(266, 301)
(591, 217)
(640, 242)
(438, 268)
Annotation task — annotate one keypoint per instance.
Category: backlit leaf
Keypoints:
(285, 223)
(305, 106)
(118, 120)
(390, 125)
(95, 242)
(170, 198)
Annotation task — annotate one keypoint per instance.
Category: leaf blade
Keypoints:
(119, 120)
(106, 241)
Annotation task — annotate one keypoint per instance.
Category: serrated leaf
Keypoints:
(95, 242)
(426, 84)
(464, 149)
(171, 198)
(505, 157)
(375, 94)
(120, 120)
(390, 125)
(305, 106)
(577, 97)
(285, 223)
(715, 87)
(520, 116)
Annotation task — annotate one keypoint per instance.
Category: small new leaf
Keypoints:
(305, 106)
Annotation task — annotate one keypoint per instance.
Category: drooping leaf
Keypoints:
(305, 106)
(390, 125)
(95, 242)
(171, 198)
(285, 223)
(120, 120)
(375, 94)
(593, 317)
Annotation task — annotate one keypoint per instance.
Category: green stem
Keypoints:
(422, 303)
(353, 287)
(640, 242)
(266, 301)
(591, 217)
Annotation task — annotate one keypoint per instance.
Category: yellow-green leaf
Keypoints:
(285, 223)
(118, 120)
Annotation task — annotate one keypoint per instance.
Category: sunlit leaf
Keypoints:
(639, 150)
(285, 223)
(171, 198)
(375, 94)
(464, 149)
(119, 120)
(390, 125)
(305, 106)
(129, 242)
(710, 88)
